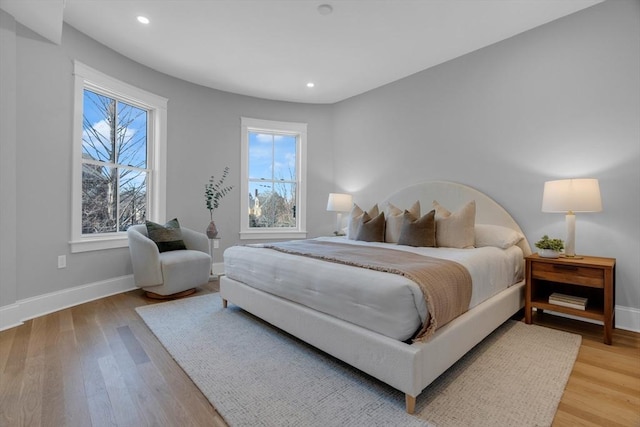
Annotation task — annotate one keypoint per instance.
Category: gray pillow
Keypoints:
(355, 219)
(167, 237)
(371, 229)
(395, 218)
(419, 232)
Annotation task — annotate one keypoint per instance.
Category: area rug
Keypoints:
(256, 375)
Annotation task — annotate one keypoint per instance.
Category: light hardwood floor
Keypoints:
(97, 364)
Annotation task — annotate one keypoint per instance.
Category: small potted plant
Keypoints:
(549, 248)
(214, 191)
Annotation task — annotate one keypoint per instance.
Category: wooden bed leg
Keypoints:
(224, 303)
(410, 402)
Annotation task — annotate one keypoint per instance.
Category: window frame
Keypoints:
(88, 78)
(278, 127)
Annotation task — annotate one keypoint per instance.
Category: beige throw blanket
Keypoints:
(446, 285)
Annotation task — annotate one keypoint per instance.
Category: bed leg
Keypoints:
(224, 303)
(410, 403)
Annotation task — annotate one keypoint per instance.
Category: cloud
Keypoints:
(104, 130)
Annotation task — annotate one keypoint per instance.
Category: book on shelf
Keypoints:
(571, 301)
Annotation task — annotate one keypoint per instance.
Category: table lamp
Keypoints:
(339, 203)
(570, 196)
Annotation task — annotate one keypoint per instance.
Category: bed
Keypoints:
(262, 281)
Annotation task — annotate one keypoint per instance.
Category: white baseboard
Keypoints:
(627, 318)
(28, 308)
(218, 267)
(10, 316)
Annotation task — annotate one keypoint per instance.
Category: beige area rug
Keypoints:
(256, 375)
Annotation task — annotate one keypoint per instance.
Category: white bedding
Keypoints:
(387, 303)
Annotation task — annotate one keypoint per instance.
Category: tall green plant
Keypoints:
(214, 191)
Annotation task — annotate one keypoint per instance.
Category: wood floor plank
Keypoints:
(142, 396)
(613, 381)
(76, 404)
(10, 404)
(127, 414)
(92, 346)
(570, 416)
(621, 363)
(65, 320)
(31, 391)
(6, 342)
(594, 403)
(17, 353)
(133, 345)
(32, 387)
(53, 381)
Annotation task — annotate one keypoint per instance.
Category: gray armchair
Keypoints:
(169, 274)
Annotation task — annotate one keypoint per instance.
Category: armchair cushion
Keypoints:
(167, 237)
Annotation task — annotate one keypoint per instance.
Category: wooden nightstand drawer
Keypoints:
(567, 273)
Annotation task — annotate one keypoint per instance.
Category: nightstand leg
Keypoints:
(608, 334)
(608, 327)
(609, 305)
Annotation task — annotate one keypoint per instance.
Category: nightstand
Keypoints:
(587, 277)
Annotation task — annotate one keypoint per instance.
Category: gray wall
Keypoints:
(203, 137)
(559, 101)
(8, 212)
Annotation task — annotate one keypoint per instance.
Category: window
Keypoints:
(273, 204)
(119, 160)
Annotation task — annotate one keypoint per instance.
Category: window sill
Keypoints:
(88, 244)
(264, 235)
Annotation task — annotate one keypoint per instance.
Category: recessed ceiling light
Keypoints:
(143, 19)
(325, 9)
(311, 84)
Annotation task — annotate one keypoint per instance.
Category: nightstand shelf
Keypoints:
(589, 277)
(593, 313)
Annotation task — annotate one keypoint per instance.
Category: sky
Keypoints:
(272, 156)
(132, 130)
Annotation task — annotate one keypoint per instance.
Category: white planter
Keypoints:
(548, 253)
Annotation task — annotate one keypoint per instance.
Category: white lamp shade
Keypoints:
(339, 202)
(572, 195)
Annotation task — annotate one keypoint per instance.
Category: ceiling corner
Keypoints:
(42, 17)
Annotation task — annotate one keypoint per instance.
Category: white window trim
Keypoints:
(300, 129)
(87, 78)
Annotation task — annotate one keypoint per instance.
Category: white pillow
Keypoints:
(496, 235)
(355, 215)
(395, 219)
(455, 230)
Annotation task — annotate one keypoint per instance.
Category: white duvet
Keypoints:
(387, 303)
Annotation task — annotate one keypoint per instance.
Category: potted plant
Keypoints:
(214, 191)
(549, 248)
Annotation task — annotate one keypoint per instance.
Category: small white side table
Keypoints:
(213, 244)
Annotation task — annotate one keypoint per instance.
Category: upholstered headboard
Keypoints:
(453, 196)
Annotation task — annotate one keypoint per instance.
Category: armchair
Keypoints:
(169, 274)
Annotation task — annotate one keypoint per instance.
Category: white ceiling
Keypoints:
(272, 48)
